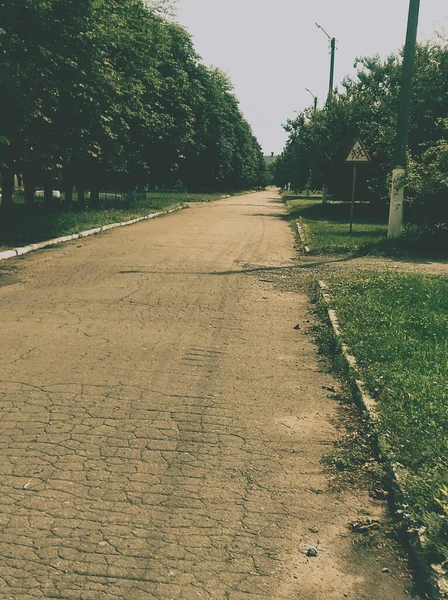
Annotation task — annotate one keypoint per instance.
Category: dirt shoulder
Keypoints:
(414, 265)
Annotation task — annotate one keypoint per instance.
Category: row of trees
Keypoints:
(111, 93)
(319, 141)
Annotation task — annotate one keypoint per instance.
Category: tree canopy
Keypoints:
(99, 92)
(319, 141)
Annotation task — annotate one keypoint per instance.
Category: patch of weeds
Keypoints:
(397, 328)
(328, 345)
(352, 462)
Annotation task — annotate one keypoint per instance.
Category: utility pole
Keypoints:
(332, 53)
(399, 170)
(330, 91)
(333, 50)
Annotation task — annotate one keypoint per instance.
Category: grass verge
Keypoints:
(397, 328)
(23, 227)
(326, 230)
(326, 227)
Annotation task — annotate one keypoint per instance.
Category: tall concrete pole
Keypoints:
(330, 92)
(333, 50)
(332, 53)
(399, 170)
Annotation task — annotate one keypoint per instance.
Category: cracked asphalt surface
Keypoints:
(163, 424)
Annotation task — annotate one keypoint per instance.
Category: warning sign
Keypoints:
(358, 153)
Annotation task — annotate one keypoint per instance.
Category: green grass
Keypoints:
(300, 196)
(397, 328)
(216, 196)
(24, 227)
(326, 230)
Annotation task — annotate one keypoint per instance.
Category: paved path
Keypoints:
(162, 423)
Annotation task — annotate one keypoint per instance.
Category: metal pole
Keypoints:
(398, 172)
(333, 49)
(352, 208)
(330, 92)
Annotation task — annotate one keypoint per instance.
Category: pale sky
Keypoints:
(272, 49)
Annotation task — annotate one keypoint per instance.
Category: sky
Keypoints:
(272, 49)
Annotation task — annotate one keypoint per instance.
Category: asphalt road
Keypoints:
(163, 423)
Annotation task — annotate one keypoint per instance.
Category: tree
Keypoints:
(100, 93)
(165, 8)
(319, 141)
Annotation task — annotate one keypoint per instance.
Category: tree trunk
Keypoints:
(68, 189)
(7, 188)
(94, 197)
(29, 190)
(80, 191)
(68, 195)
(48, 196)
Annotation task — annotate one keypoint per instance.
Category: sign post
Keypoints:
(352, 207)
(358, 154)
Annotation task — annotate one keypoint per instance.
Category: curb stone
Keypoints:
(14, 252)
(302, 238)
(225, 196)
(432, 576)
(240, 194)
(8, 254)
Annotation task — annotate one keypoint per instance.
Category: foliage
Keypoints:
(396, 326)
(325, 228)
(319, 141)
(428, 180)
(163, 7)
(99, 92)
(225, 153)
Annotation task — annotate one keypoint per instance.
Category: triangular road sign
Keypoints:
(358, 153)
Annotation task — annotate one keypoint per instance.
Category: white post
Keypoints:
(396, 204)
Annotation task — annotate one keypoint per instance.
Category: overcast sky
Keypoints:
(272, 49)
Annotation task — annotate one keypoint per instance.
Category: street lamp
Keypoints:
(398, 172)
(333, 49)
(314, 98)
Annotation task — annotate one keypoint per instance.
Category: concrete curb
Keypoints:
(236, 195)
(302, 238)
(243, 193)
(68, 238)
(432, 577)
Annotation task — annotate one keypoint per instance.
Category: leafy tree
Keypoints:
(100, 93)
(162, 7)
(224, 153)
(320, 141)
(428, 181)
